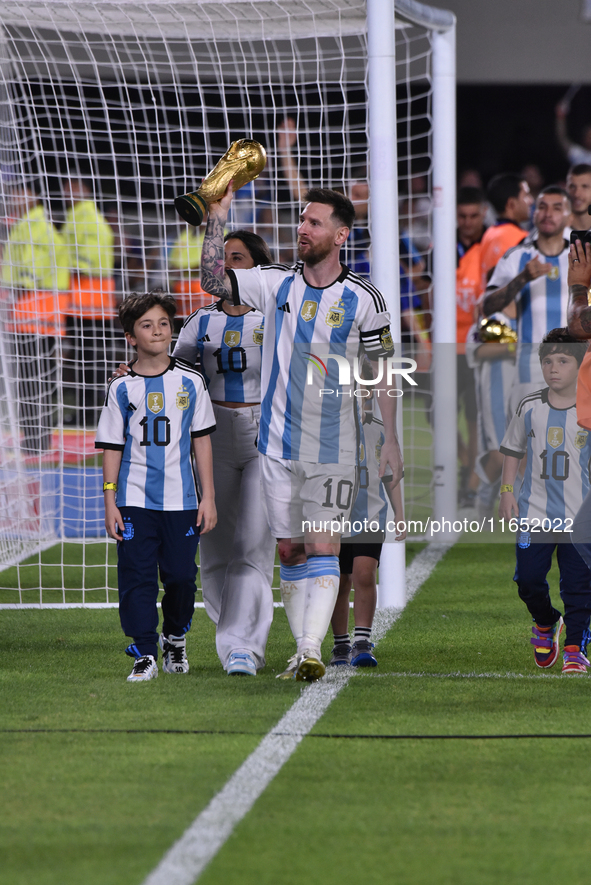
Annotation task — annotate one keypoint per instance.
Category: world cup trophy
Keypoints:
(496, 331)
(243, 162)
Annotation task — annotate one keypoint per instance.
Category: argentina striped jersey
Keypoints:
(371, 503)
(541, 304)
(151, 420)
(307, 414)
(558, 452)
(228, 350)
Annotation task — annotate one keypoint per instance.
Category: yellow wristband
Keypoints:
(506, 489)
(511, 347)
(109, 487)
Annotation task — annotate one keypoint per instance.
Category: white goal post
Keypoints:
(136, 101)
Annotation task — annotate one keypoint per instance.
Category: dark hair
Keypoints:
(561, 341)
(580, 169)
(502, 188)
(342, 207)
(469, 195)
(135, 306)
(556, 189)
(257, 248)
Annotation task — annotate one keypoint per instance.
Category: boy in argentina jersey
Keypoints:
(555, 482)
(307, 435)
(153, 419)
(361, 549)
(534, 275)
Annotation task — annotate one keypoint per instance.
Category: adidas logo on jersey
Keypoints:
(285, 307)
(531, 433)
(190, 532)
(205, 338)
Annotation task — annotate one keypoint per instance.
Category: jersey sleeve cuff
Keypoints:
(505, 451)
(113, 446)
(234, 284)
(197, 433)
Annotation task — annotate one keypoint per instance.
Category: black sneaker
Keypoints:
(341, 656)
(362, 654)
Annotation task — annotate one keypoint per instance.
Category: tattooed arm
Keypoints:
(214, 278)
(500, 298)
(579, 278)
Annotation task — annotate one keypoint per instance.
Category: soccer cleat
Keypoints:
(362, 654)
(174, 654)
(574, 661)
(310, 667)
(341, 656)
(241, 663)
(290, 670)
(144, 668)
(545, 642)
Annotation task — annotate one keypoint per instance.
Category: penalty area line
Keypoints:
(199, 844)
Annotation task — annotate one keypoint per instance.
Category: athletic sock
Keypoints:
(341, 639)
(293, 580)
(362, 633)
(322, 588)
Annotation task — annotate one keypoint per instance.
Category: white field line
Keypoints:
(475, 675)
(188, 857)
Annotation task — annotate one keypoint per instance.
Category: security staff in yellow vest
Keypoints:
(92, 303)
(35, 282)
(184, 261)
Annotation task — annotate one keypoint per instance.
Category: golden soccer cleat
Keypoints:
(290, 670)
(310, 668)
(244, 161)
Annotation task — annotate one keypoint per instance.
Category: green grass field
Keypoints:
(95, 791)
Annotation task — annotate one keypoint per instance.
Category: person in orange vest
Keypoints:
(471, 209)
(184, 260)
(510, 198)
(92, 308)
(35, 281)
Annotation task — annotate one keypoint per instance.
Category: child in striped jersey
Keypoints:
(153, 419)
(555, 482)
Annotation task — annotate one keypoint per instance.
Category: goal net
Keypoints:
(108, 111)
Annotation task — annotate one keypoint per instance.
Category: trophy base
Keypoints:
(191, 207)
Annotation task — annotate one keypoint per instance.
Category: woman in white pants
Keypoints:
(237, 557)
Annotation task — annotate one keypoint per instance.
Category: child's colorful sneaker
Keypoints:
(545, 641)
(574, 661)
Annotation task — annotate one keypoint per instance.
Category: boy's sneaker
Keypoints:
(241, 663)
(290, 670)
(545, 641)
(310, 667)
(144, 668)
(341, 656)
(362, 654)
(174, 654)
(574, 661)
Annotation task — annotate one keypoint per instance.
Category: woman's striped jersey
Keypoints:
(541, 304)
(228, 350)
(151, 420)
(556, 478)
(306, 413)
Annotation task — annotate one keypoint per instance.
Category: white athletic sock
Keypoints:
(293, 581)
(321, 595)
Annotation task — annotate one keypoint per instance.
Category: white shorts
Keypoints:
(302, 497)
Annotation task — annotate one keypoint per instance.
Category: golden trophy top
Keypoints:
(496, 331)
(244, 161)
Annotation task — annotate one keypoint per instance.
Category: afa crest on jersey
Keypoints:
(335, 315)
(581, 438)
(182, 398)
(258, 334)
(308, 311)
(155, 402)
(555, 437)
(386, 339)
(232, 337)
